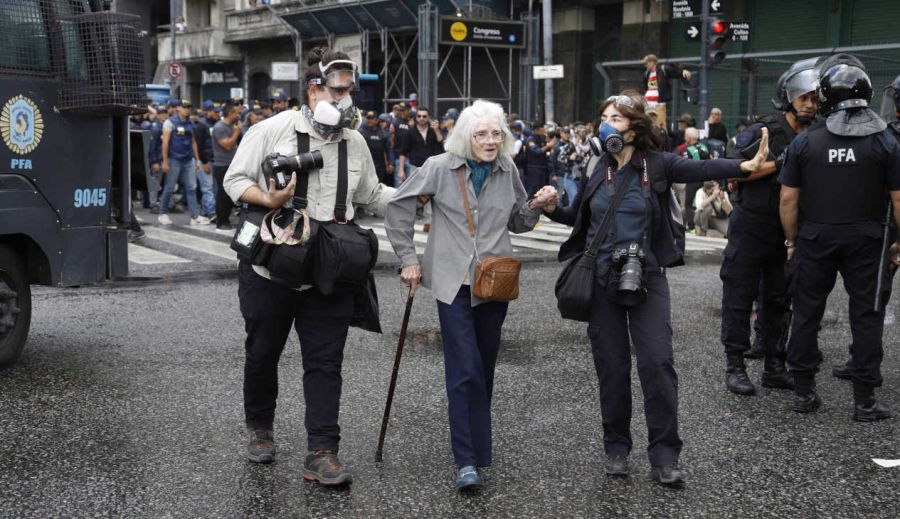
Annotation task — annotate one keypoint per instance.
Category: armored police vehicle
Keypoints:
(70, 74)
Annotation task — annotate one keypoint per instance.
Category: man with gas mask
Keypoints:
(324, 126)
(755, 254)
(837, 180)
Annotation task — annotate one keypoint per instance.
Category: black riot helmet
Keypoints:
(797, 81)
(843, 84)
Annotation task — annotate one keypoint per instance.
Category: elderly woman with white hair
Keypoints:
(478, 160)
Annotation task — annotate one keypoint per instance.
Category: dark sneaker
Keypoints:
(739, 383)
(136, 236)
(261, 445)
(871, 411)
(467, 478)
(323, 466)
(616, 466)
(668, 475)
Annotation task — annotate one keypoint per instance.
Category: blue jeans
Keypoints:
(571, 187)
(208, 192)
(183, 169)
(471, 337)
(406, 172)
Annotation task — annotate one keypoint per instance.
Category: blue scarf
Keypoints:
(480, 173)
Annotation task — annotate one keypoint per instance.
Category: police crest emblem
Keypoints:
(21, 125)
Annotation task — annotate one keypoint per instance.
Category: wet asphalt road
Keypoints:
(127, 403)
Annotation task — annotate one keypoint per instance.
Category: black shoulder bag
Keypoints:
(575, 284)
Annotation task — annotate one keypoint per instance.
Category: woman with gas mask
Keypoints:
(326, 123)
(631, 180)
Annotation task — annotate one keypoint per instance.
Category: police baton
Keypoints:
(884, 252)
(379, 452)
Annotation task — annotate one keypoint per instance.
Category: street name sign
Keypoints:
(482, 33)
(692, 8)
(739, 31)
(285, 71)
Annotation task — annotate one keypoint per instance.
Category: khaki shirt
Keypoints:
(277, 134)
(451, 254)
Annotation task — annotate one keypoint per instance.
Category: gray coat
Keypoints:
(451, 254)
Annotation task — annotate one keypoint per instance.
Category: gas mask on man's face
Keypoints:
(339, 79)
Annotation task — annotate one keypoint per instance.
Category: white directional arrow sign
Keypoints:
(715, 6)
(691, 32)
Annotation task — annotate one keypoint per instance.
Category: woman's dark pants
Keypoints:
(269, 310)
(471, 337)
(651, 331)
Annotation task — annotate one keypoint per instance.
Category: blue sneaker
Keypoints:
(467, 477)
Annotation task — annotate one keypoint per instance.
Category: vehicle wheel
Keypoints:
(15, 306)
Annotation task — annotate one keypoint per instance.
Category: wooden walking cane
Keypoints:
(390, 396)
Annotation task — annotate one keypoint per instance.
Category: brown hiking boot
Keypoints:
(323, 466)
(261, 445)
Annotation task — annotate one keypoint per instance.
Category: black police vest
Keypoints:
(895, 129)
(763, 197)
(375, 142)
(842, 180)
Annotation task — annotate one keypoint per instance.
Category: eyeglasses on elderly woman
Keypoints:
(483, 137)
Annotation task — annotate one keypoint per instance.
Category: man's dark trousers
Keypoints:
(269, 310)
(224, 205)
(755, 252)
(823, 251)
(471, 337)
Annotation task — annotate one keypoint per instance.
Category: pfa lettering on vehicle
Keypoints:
(841, 156)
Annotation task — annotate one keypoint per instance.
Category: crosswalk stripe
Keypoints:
(141, 255)
(194, 243)
(548, 237)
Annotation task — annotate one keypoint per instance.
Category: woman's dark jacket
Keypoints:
(665, 169)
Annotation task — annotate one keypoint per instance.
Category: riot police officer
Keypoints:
(755, 255)
(537, 148)
(378, 147)
(892, 97)
(832, 201)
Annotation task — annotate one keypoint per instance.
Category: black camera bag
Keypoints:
(338, 255)
(247, 241)
(345, 252)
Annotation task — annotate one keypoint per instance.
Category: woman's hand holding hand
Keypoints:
(749, 166)
(411, 275)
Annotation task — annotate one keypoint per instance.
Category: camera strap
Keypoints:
(302, 180)
(340, 204)
(605, 224)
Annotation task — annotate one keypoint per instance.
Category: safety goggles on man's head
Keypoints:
(339, 76)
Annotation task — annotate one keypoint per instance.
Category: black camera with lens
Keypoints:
(630, 264)
(279, 167)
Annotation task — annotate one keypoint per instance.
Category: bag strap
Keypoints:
(606, 223)
(465, 196)
(303, 181)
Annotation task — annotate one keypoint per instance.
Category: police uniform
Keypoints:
(842, 201)
(378, 147)
(536, 166)
(754, 259)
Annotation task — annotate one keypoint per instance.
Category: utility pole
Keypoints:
(172, 32)
(547, 18)
(703, 98)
